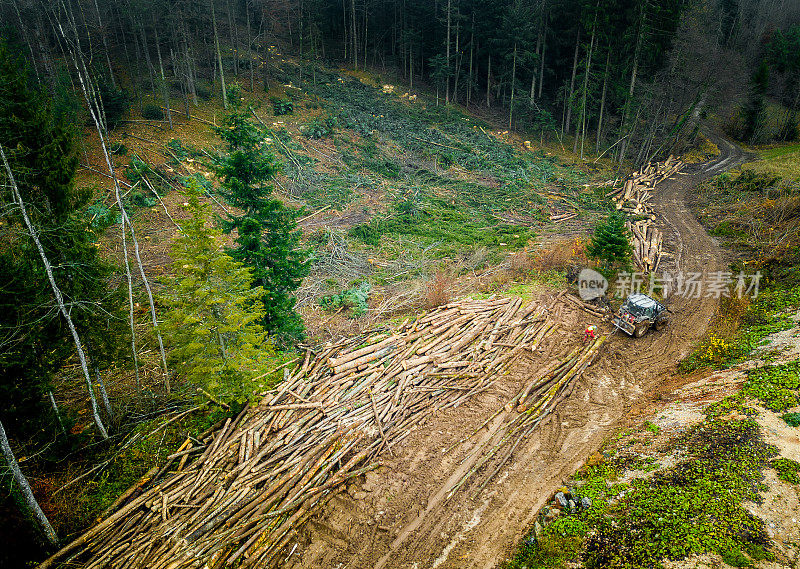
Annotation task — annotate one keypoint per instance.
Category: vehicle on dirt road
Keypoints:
(639, 313)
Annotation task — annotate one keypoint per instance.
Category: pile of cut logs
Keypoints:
(633, 198)
(239, 495)
(557, 218)
(646, 243)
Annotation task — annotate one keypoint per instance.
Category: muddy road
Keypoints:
(404, 516)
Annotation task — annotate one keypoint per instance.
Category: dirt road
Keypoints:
(403, 516)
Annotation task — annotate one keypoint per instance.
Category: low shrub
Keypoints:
(282, 107)
(559, 256)
(354, 298)
(319, 128)
(438, 289)
(152, 112)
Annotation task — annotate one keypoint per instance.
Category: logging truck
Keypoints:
(639, 313)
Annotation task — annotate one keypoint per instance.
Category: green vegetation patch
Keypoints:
(767, 315)
(775, 385)
(788, 469)
(354, 298)
(692, 508)
(562, 540)
(792, 419)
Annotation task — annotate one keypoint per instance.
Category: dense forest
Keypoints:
(632, 81)
(635, 73)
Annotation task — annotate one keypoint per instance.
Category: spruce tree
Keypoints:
(610, 245)
(753, 111)
(34, 338)
(214, 310)
(268, 240)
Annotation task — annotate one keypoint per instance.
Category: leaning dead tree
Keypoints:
(25, 488)
(94, 104)
(34, 233)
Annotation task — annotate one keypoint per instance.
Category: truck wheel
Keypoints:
(640, 329)
(661, 324)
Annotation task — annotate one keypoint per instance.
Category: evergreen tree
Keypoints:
(610, 245)
(34, 339)
(754, 108)
(214, 310)
(267, 237)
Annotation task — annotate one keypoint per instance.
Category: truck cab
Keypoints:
(639, 313)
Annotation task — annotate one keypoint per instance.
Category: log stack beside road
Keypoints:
(241, 493)
(634, 198)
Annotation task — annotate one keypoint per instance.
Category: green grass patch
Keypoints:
(695, 507)
(781, 160)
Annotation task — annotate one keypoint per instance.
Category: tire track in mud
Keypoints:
(402, 518)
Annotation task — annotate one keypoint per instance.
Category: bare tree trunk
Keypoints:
(150, 69)
(219, 56)
(249, 48)
(150, 299)
(24, 30)
(471, 51)
(345, 38)
(102, 387)
(56, 411)
(488, 79)
(447, 56)
(603, 102)
(265, 77)
(94, 104)
(164, 86)
(457, 72)
(56, 292)
(30, 499)
(411, 68)
(191, 79)
(541, 62)
(105, 45)
(300, 54)
(234, 38)
(533, 72)
(629, 102)
(129, 65)
(582, 122)
(513, 81)
(366, 14)
(354, 35)
(566, 126)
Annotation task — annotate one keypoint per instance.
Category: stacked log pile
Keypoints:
(634, 198)
(240, 494)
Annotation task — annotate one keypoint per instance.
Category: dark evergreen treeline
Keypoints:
(632, 74)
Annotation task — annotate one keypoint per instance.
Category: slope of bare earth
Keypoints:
(404, 514)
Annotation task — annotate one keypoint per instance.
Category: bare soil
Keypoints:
(400, 516)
